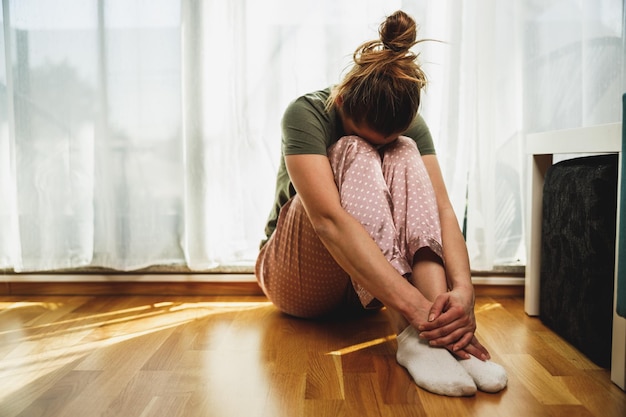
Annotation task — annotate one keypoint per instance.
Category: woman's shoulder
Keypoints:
(307, 125)
(420, 133)
(314, 102)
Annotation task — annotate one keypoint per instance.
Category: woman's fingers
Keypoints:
(473, 348)
(452, 338)
(445, 324)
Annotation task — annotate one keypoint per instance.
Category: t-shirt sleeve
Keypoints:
(303, 130)
(419, 132)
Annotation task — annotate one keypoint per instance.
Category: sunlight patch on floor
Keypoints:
(487, 307)
(361, 346)
(6, 306)
(30, 353)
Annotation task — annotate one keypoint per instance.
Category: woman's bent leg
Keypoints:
(415, 214)
(389, 192)
(365, 196)
(298, 274)
(415, 211)
(417, 220)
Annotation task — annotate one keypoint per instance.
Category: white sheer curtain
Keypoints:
(478, 122)
(508, 69)
(90, 134)
(137, 133)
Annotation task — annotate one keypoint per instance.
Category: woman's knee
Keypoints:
(348, 147)
(402, 149)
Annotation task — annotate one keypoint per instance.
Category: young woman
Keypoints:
(362, 218)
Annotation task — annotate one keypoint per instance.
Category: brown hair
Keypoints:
(383, 87)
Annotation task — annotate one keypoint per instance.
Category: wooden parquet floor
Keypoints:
(238, 356)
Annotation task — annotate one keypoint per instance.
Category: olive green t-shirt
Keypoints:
(308, 128)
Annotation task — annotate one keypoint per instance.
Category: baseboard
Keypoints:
(184, 285)
(500, 285)
(130, 284)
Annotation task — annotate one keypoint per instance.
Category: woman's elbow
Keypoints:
(324, 225)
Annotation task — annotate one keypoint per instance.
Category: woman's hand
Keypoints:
(474, 348)
(451, 324)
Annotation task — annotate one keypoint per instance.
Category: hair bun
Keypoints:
(398, 32)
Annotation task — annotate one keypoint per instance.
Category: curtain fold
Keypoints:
(9, 238)
(138, 133)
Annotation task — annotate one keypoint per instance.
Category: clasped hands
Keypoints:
(451, 324)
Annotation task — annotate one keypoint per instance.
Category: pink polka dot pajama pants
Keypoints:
(389, 192)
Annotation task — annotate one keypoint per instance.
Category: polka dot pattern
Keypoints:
(295, 270)
(388, 191)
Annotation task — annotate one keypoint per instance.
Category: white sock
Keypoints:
(432, 368)
(488, 376)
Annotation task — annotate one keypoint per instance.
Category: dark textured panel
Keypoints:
(578, 253)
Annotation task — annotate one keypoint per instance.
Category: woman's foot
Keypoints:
(434, 369)
(488, 376)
